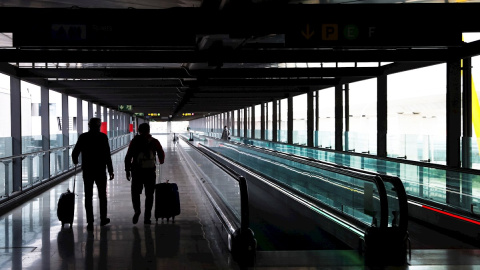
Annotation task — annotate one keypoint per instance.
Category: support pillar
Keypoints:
(16, 131)
(262, 121)
(382, 110)
(338, 118)
(252, 121)
(45, 118)
(65, 135)
(310, 118)
(290, 120)
(454, 98)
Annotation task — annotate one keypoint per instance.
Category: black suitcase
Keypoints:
(66, 206)
(167, 201)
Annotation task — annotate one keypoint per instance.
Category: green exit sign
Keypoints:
(124, 108)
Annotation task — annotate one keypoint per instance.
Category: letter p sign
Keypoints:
(330, 31)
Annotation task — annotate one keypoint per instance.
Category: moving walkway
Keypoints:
(321, 205)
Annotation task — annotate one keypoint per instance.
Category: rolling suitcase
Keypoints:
(167, 201)
(66, 205)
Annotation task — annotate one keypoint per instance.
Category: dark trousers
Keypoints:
(143, 178)
(101, 181)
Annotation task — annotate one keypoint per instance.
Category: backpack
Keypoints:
(146, 157)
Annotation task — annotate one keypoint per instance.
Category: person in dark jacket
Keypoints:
(96, 158)
(140, 168)
(225, 134)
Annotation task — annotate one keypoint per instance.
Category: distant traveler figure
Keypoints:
(225, 134)
(140, 161)
(96, 158)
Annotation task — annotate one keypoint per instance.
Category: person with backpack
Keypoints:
(140, 168)
(96, 159)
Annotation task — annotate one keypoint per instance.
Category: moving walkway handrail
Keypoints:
(244, 212)
(375, 179)
(242, 242)
(395, 181)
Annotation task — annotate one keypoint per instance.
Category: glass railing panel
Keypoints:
(226, 187)
(5, 147)
(32, 170)
(5, 177)
(31, 144)
(360, 142)
(56, 140)
(431, 184)
(344, 193)
(56, 162)
(475, 153)
(325, 139)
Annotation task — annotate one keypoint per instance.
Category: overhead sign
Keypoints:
(327, 34)
(125, 108)
(138, 114)
(154, 114)
(188, 114)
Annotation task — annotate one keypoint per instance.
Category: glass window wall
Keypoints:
(258, 121)
(325, 136)
(56, 137)
(85, 115)
(362, 135)
(268, 121)
(31, 134)
(475, 144)
(300, 119)
(417, 114)
(282, 121)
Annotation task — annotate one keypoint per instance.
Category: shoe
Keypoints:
(147, 222)
(135, 218)
(105, 222)
(89, 227)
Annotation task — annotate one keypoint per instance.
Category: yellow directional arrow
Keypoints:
(308, 34)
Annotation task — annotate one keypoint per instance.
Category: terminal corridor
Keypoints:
(33, 237)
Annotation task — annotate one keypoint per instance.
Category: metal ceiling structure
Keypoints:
(177, 57)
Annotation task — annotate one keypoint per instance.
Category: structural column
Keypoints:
(347, 116)
(382, 122)
(16, 131)
(90, 112)
(338, 118)
(238, 123)
(262, 121)
(454, 103)
(467, 131)
(317, 115)
(79, 117)
(65, 130)
(467, 114)
(274, 120)
(245, 120)
(290, 120)
(111, 122)
(310, 118)
(252, 123)
(45, 118)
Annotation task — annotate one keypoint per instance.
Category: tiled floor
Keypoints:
(31, 236)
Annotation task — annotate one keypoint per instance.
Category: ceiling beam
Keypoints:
(237, 56)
